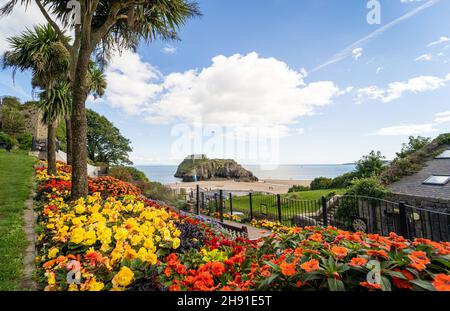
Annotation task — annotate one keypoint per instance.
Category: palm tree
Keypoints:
(55, 104)
(41, 51)
(105, 24)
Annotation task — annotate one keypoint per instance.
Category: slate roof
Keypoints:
(413, 185)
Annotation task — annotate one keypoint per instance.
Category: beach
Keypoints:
(276, 186)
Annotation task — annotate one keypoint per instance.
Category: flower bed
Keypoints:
(115, 239)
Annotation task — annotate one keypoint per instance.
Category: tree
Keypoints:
(13, 122)
(10, 101)
(414, 144)
(105, 143)
(41, 51)
(55, 105)
(370, 165)
(105, 24)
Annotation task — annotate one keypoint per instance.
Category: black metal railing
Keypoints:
(355, 213)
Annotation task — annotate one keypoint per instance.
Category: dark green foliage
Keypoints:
(8, 141)
(105, 142)
(25, 141)
(127, 173)
(365, 187)
(13, 122)
(370, 165)
(414, 144)
(321, 183)
(344, 180)
(10, 101)
(415, 161)
(298, 188)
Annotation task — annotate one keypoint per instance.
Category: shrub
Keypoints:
(298, 188)
(8, 141)
(130, 173)
(371, 164)
(368, 187)
(25, 141)
(320, 183)
(343, 181)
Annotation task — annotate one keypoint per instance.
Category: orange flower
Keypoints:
(442, 282)
(298, 252)
(217, 269)
(419, 260)
(288, 269)
(299, 284)
(316, 237)
(358, 262)
(401, 283)
(310, 266)
(339, 252)
(370, 285)
(168, 271)
(379, 253)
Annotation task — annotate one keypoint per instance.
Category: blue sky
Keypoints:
(383, 89)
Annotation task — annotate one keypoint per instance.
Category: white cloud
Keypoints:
(409, 1)
(406, 129)
(357, 53)
(440, 41)
(396, 89)
(240, 90)
(130, 82)
(424, 58)
(18, 21)
(379, 69)
(442, 117)
(169, 49)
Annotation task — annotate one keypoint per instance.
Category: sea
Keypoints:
(164, 173)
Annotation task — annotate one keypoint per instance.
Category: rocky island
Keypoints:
(200, 168)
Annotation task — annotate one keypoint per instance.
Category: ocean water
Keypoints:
(164, 173)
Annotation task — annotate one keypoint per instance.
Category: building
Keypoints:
(196, 157)
(429, 187)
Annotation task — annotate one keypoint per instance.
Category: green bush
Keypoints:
(321, 183)
(127, 173)
(298, 188)
(367, 187)
(25, 141)
(8, 141)
(157, 191)
(343, 181)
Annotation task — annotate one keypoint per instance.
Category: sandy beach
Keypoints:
(266, 185)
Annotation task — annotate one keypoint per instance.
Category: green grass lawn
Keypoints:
(291, 204)
(16, 173)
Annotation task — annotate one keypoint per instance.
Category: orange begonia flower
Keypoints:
(358, 262)
(311, 265)
(288, 269)
(442, 282)
(370, 285)
(339, 252)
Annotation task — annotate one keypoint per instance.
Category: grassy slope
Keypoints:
(241, 204)
(16, 171)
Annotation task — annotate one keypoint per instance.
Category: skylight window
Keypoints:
(444, 155)
(437, 180)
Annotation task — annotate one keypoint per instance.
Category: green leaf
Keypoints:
(443, 261)
(385, 284)
(272, 265)
(395, 274)
(267, 281)
(336, 285)
(423, 284)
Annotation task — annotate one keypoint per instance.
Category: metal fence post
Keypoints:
(231, 203)
(221, 205)
(197, 203)
(216, 206)
(403, 220)
(325, 212)
(279, 207)
(203, 201)
(251, 205)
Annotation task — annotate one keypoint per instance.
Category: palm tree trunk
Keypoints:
(69, 140)
(51, 149)
(79, 125)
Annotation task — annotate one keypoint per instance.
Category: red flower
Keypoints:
(217, 269)
(370, 285)
(401, 283)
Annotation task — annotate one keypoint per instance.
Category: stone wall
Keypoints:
(441, 205)
(33, 123)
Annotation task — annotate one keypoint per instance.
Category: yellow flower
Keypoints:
(80, 209)
(123, 278)
(152, 258)
(121, 234)
(53, 252)
(95, 286)
(51, 278)
(136, 239)
(77, 235)
(176, 243)
(73, 287)
(90, 238)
